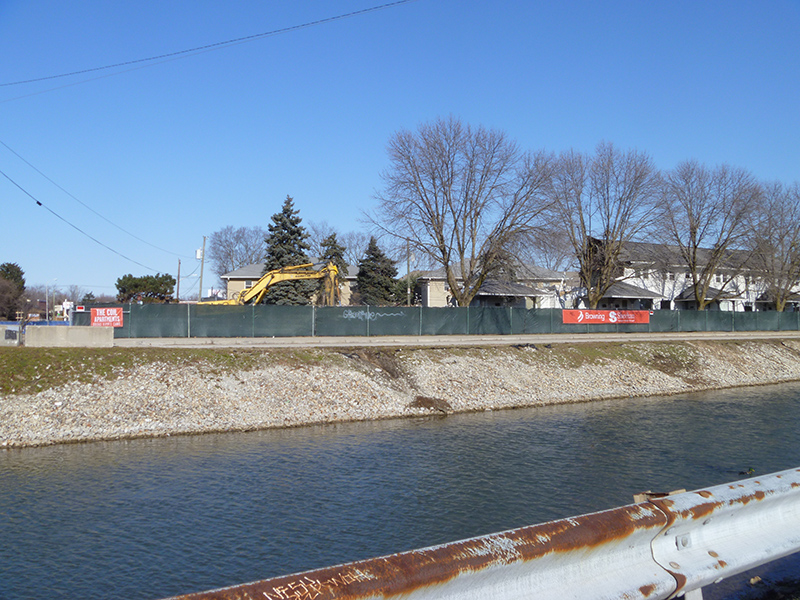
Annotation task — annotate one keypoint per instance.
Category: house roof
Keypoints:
(688, 294)
(666, 255)
(493, 287)
(620, 289)
(249, 272)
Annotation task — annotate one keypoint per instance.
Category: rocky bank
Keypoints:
(333, 385)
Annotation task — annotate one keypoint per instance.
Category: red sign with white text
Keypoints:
(605, 317)
(107, 317)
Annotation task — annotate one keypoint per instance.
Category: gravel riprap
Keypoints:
(157, 399)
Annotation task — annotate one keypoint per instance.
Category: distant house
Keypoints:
(246, 277)
(532, 287)
(624, 296)
(661, 271)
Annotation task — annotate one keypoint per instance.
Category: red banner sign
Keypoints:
(605, 317)
(107, 317)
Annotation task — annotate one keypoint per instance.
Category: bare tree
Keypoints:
(549, 247)
(233, 248)
(601, 202)
(776, 243)
(75, 293)
(705, 214)
(460, 197)
(354, 242)
(355, 246)
(318, 232)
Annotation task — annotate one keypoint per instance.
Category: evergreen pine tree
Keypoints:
(287, 244)
(376, 276)
(333, 252)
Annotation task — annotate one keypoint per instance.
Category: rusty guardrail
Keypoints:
(656, 549)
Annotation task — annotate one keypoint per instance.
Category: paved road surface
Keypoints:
(444, 340)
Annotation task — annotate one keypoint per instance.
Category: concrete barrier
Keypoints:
(9, 335)
(69, 337)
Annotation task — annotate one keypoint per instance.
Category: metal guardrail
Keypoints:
(652, 550)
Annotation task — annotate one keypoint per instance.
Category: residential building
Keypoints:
(532, 287)
(660, 270)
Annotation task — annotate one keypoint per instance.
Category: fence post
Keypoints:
(367, 320)
(188, 320)
(313, 320)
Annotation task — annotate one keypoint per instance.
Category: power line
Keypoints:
(214, 46)
(86, 205)
(55, 214)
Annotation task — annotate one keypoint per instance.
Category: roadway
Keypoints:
(448, 340)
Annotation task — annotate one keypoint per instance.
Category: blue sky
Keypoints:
(173, 150)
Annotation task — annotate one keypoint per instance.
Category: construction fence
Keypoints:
(197, 320)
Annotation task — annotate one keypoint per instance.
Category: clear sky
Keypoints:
(150, 157)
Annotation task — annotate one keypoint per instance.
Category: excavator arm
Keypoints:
(253, 295)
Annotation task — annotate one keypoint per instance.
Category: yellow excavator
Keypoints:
(253, 295)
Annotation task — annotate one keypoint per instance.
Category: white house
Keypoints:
(533, 287)
(659, 269)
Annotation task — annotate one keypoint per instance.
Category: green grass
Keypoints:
(30, 370)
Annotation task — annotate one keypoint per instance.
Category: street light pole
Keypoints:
(202, 264)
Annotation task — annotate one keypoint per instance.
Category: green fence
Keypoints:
(193, 320)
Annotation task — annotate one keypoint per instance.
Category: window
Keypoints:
(248, 284)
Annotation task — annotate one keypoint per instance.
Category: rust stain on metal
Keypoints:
(757, 495)
(680, 578)
(409, 571)
(720, 564)
(647, 590)
(703, 510)
(405, 573)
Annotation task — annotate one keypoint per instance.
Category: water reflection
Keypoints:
(151, 518)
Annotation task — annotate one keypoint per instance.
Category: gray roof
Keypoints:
(621, 289)
(689, 295)
(665, 255)
(249, 272)
(493, 287)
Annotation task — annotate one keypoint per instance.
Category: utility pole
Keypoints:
(408, 273)
(178, 289)
(202, 264)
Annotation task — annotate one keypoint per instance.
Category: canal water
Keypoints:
(153, 518)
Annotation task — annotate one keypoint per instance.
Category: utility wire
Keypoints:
(215, 45)
(86, 205)
(24, 191)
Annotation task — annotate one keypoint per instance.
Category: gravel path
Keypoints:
(333, 385)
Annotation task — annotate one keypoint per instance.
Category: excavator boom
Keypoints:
(253, 295)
